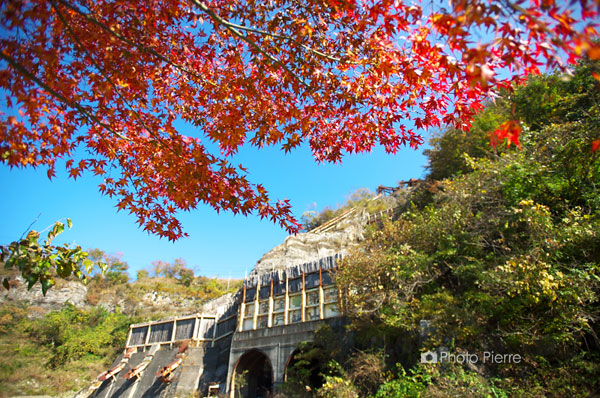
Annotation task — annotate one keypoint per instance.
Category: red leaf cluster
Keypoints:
(508, 131)
(111, 78)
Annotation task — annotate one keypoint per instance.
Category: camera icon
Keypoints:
(429, 357)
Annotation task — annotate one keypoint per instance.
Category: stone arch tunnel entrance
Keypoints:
(304, 369)
(253, 376)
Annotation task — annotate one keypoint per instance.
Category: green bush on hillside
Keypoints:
(504, 256)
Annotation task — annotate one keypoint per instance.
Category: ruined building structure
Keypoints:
(254, 333)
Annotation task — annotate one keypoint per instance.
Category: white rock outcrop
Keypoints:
(311, 246)
(72, 292)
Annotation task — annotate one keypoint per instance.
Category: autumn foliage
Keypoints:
(105, 85)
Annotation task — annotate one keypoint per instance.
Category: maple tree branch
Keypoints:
(134, 44)
(158, 137)
(25, 73)
(283, 37)
(245, 38)
(80, 108)
(103, 73)
(520, 10)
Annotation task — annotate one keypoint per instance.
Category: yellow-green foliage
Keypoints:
(337, 387)
(62, 351)
(74, 333)
(362, 198)
(503, 257)
(197, 289)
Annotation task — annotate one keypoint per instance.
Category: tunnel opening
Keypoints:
(253, 376)
(304, 371)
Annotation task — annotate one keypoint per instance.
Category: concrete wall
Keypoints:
(277, 343)
(146, 386)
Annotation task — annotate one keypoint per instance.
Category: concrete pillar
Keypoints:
(242, 310)
(286, 310)
(148, 334)
(321, 296)
(214, 336)
(197, 322)
(270, 315)
(256, 302)
(129, 336)
(174, 331)
(303, 306)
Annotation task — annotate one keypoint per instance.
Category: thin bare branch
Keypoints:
(245, 38)
(73, 104)
(283, 37)
(141, 47)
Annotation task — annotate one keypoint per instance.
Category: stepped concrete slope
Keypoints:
(255, 333)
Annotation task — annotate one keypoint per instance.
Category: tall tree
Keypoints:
(112, 267)
(101, 84)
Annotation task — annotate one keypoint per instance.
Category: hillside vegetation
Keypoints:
(499, 253)
(62, 351)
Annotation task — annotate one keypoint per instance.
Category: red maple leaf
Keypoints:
(112, 78)
(508, 131)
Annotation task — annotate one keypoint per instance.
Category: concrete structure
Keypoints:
(289, 294)
(279, 310)
(255, 334)
(277, 345)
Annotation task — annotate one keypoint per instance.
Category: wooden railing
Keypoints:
(198, 327)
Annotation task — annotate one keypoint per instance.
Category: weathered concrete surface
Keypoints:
(189, 372)
(147, 386)
(277, 343)
(111, 386)
(216, 362)
(150, 385)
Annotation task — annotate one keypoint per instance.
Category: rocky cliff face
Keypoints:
(335, 237)
(76, 293)
(342, 234)
(67, 292)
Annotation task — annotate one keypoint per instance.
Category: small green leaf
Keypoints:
(89, 265)
(31, 280)
(69, 223)
(32, 236)
(58, 228)
(46, 284)
(63, 269)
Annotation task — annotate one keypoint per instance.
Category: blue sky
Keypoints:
(219, 244)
